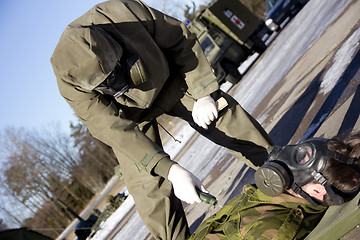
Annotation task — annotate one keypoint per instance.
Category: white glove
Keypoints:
(204, 111)
(184, 184)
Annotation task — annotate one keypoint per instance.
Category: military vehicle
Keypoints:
(279, 10)
(228, 33)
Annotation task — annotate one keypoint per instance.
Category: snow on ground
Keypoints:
(342, 59)
(113, 220)
(289, 46)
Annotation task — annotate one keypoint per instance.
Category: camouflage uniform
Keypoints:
(254, 215)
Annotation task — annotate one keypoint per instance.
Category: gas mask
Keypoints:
(126, 73)
(294, 166)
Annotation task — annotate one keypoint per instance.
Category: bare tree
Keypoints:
(8, 214)
(42, 165)
(3, 226)
(175, 8)
(97, 159)
(37, 167)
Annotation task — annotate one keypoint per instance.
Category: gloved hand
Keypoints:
(204, 111)
(184, 184)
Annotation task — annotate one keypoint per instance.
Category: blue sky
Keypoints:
(29, 32)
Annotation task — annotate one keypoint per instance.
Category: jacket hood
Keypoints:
(85, 56)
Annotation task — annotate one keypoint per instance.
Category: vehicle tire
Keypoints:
(277, 28)
(260, 47)
(232, 73)
(233, 79)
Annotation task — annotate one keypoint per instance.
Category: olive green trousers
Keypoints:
(155, 201)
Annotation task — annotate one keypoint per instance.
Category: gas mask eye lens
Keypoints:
(303, 154)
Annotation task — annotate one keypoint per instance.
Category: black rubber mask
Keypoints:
(294, 166)
(125, 75)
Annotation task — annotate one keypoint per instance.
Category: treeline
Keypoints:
(41, 170)
(257, 7)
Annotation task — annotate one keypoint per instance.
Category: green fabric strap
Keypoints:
(203, 85)
(148, 157)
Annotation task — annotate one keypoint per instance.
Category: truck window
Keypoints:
(217, 36)
(206, 45)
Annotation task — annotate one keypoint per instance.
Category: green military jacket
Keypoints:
(254, 215)
(173, 61)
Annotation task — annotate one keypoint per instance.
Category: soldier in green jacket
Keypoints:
(123, 64)
(300, 182)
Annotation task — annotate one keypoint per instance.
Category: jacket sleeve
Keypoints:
(106, 123)
(182, 48)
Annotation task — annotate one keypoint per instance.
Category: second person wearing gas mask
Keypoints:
(292, 192)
